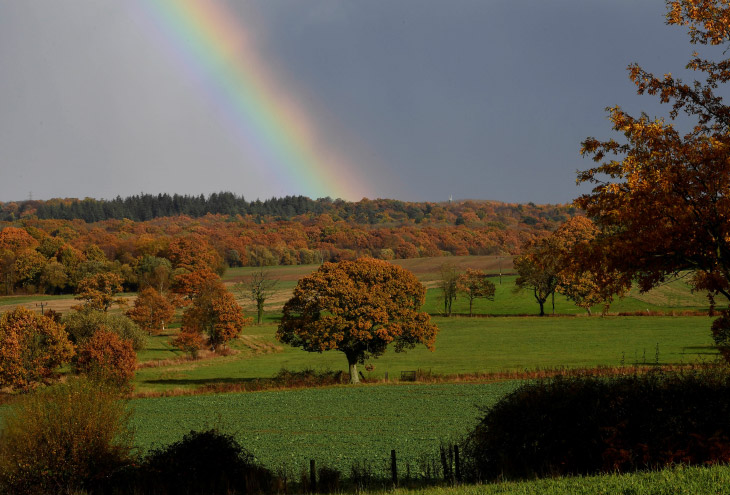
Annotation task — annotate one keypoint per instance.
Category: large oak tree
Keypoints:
(358, 308)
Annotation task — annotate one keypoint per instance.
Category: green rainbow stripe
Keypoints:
(272, 128)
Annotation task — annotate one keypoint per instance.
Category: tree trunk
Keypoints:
(541, 302)
(553, 295)
(260, 309)
(354, 375)
(470, 305)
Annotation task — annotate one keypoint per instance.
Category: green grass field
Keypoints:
(675, 481)
(464, 345)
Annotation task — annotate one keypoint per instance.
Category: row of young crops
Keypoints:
(336, 426)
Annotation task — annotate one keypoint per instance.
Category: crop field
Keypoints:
(336, 426)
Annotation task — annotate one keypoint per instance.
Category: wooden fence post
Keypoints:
(393, 467)
(312, 476)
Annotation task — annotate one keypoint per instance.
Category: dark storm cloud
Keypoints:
(475, 99)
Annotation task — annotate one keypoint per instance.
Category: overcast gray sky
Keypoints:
(417, 99)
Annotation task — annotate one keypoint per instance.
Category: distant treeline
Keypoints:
(148, 206)
(145, 207)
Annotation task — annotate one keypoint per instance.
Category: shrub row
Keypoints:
(585, 425)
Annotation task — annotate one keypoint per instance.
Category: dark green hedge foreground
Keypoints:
(586, 425)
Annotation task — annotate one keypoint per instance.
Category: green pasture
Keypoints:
(464, 345)
(679, 480)
(336, 426)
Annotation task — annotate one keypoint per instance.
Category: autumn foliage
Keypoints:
(358, 308)
(31, 347)
(151, 311)
(214, 312)
(108, 357)
(189, 341)
(474, 284)
(98, 291)
(661, 197)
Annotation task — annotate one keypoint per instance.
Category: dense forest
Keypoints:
(53, 254)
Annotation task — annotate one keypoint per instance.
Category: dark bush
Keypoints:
(308, 378)
(584, 425)
(203, 462)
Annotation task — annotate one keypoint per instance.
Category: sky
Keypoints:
(416, 100)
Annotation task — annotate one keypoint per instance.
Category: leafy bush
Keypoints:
(107, 357)
(584, 425)
(82, 325)
(63, 438)
(203, 462)
(189, 341)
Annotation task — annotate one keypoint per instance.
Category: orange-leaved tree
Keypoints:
(584, 277)
(661, 197)
(31, 347)
(151, 311)
(215, 312)
(358, 308)
(108, 357)
(475, 284)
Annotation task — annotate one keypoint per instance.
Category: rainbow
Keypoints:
(273, 129)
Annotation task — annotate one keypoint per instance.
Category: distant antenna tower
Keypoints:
(30, 195)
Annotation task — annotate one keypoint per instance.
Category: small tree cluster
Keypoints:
(569, 262)
(474, 284)
(31, 347)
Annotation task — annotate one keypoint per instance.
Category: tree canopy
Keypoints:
(214, 311)
(358, 308)
(661, 198)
